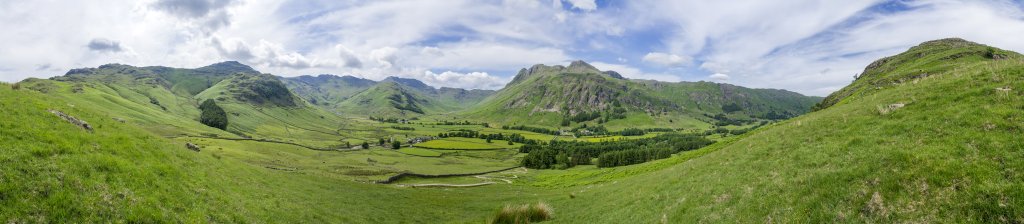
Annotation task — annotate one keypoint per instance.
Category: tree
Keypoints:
(732, 107)
(366, 145)
(213, 115)
(381, 142)
(396, 145)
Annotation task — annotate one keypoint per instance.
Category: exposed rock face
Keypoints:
(75, 121)
(580, 66)
(614, 74)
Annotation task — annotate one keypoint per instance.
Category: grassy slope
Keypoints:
(54, 171)
(302, 123)
(130, 102)
(327, 91)
(951, 155)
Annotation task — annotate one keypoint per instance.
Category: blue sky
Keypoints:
(811, 47)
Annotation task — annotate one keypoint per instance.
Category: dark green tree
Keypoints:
(213, 115)
(366, 145)
(396, 145)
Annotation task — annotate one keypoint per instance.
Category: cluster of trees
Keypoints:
(385, 120)
(584, 130)
(632, 132)
(602, 117)
(213, 115)
(565, 154)
(460, 133)
(772, 115)
(531, 129)
(722, 120)
(599, 130)
(659, 130)
(583, 116)
(731, 107)
(459, 123)
(517, 138)
(154, 101)
(396, 127)
(552, 159)
(630, 157)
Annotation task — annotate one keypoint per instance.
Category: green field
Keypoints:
(419, 152)
(458, 143)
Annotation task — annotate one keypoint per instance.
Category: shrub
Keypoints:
(396, 145)
(527, 213)
(213, 115)
(16, 86)
(366, 145)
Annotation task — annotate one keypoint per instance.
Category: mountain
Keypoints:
(327, 90)
(546, 95)
(254, 89)
(405, 98)
(392, 97)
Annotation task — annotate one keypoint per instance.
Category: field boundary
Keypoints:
(268, 141)
(488, 149)
(399, 176)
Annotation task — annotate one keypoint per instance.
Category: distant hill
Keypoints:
(166, 100)
(392, 97)
(327, 90)
(546, 95)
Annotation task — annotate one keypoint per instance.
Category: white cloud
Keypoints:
(264, 53)
(349, 58)
(667, 60)
(485, 56)
(104, 45)
(472, 80)
(586, 5)
(385, 56)
(635, 73)
(719, 77)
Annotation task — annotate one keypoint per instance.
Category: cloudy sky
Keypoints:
(812, 47)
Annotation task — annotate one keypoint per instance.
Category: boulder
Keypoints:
(191, 146)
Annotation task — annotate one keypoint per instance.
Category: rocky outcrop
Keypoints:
(191, 146)
(75, 121)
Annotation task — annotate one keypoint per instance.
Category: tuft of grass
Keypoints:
(521, 214)
(16, 86)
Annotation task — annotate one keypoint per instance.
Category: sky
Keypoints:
(807, 46)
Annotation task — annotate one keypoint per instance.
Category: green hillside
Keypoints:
(546, 95)
(407, 98)
(327, 90)
(941, 148)
(392, 97)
